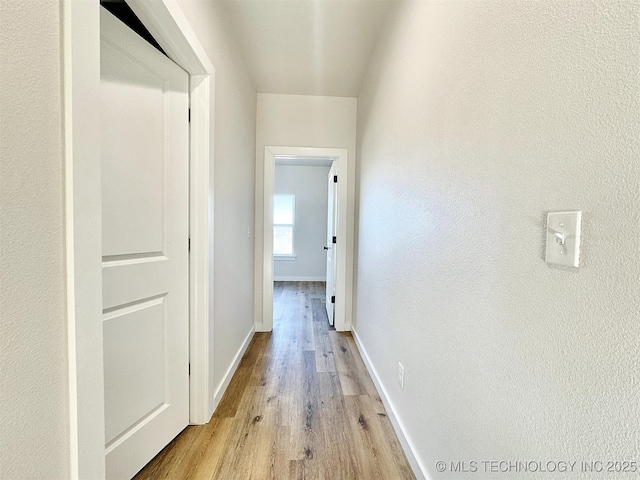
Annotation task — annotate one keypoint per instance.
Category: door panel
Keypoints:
(144, 158)
(141, 230)
(134, 369)
(332, 210)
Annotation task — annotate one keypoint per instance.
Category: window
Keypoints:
(283, 220)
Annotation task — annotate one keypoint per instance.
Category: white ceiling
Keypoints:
(307, 47)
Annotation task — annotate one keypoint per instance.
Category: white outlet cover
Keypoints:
(563, 226)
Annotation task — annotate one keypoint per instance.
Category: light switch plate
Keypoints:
(563, 238)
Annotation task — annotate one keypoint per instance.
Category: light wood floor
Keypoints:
(300, 406)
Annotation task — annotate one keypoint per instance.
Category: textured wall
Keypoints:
(475, 119)
(34, 425)
(233, 146)
(309, 185)
(301, 121)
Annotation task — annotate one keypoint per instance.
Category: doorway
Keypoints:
(81, 25)
(303, 226)
(342, 248)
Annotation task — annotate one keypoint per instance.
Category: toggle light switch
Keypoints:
(563, 238)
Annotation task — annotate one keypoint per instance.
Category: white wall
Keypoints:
(475, 119)
(34, 418)
(302, 121)
(233, 146)
(309, 185)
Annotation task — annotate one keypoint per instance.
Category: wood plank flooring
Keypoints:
(300, 406)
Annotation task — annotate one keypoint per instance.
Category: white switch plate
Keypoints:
(563, 238)
(400, 375)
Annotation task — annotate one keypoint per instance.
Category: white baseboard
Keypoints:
(232, 369)
(409, 450)
(299, 279)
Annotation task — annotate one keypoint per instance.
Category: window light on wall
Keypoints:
(283, 221)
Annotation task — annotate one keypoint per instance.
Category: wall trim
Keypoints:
(83, 236)
(284, 258)
(407, 445)
(285, 278)
(232, 368)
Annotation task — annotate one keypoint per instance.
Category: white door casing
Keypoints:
(344, 248)
(145, 212)
(332, 229)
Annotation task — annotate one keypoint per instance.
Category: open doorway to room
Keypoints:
(306, 235)
(303, 228)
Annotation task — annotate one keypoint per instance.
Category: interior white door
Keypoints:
(332, 224)
(144, 157)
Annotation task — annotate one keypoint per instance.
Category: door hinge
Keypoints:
(334, 240)
(189, 245)
(333, 299)
(189, 369)
(189, 115)
(335, 179)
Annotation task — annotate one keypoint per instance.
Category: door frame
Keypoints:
(342, 318)
(81, 118)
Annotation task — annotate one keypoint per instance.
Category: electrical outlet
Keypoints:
(401, 375)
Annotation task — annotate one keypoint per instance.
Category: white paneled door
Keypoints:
(144, 156)
(332, 228)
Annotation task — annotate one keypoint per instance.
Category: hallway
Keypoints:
(301, 405)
